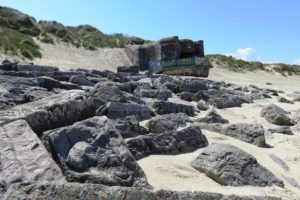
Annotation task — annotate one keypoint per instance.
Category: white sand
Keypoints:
(175, 172)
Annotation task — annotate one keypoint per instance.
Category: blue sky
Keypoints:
(265, 30)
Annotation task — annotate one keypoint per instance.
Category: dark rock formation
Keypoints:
(284, 100)
(250, 133)
(129, 127)
(78, 80)
(23, 156)
(94, 151)
(120, 110)
(166, 107)
(50, 84)
(167, 122)
(276, 115)
(202, 105)
(229, 165)
(129, 69)
(162, 94)
(96, 191)
(38, 68)
(282, 129)
(55, 111)
(175, 142)
(212, 116)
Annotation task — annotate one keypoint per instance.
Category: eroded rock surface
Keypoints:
(276, 115)
(229, 165)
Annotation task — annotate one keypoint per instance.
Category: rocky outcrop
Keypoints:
(129, 127)
(55, 111)
(23, 157)
(94, 151)
(276, 115)
(50, 84)
(167, 122)
(92, 191)
(175, 142)
(166, 107)
(250, 133)
(229, 165)
(120, 110)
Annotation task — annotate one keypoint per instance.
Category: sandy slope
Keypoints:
(175, 172)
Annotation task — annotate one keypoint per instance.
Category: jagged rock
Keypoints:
(167, 122)
(284, 100)
(201, 95)
(93, 151)
(107, 93)
(96, 191)
(80, 81)
(129, 69)
(250, 133)
(166, 107)
(120, 110)
(23, 156)
(229, 165)
(276, 115)
(50, 84)
(51, 112)
(175, 142)
(202, 105)
(212, 116)
(162, 94)
(129, 127)
(38, 68)
(193, 85)
(227, 101)
(37, 93)
(170, 82)
(186, 96)
(282, 129)
(118, 77)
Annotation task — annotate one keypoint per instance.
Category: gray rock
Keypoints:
(94, 151)
(129, 127)
(212, 116)
(202, 105)
(49, 191)
(284, 100)
(129, 69)
(170, 82)
(276, 115)
(79, 80)
(226, 101)
(186, 96)
(50, 84)
(37, 93)
(38, 68)
(52, 112)
(193, 85)
(175, 142)
(282, 129)
(23, 157)
(166, 107)
(229, 165)
(250, 133)
(167, 122)
(162, 94)
(120, 110)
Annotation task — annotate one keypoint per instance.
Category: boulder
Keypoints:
(78, 80)
(186, 96)
(162, 94)
(120, 110)
(226, 101)
(129, 69)
(167, 122)
(93, 151)
(37, 93)
(52, 112)
(129, 127)
(193, 85)
(281, 129)
(50, 84)
(212, 116)
(284, 100)
(38, 68)
(96, 191)
(23, 157)
(276, 115)
(229, 165)
(250, 133)
(202, 105)
(170, 82)
(175, 142)
(166, 107)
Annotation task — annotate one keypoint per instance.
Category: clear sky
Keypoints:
(265, 30)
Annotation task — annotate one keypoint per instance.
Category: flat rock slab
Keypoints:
(250, 133)
(121, 110)
(78, 191)
(229, 165)
(55, 111)
(186, 140)
(23, 157)
(94, 151)
(276, 115)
